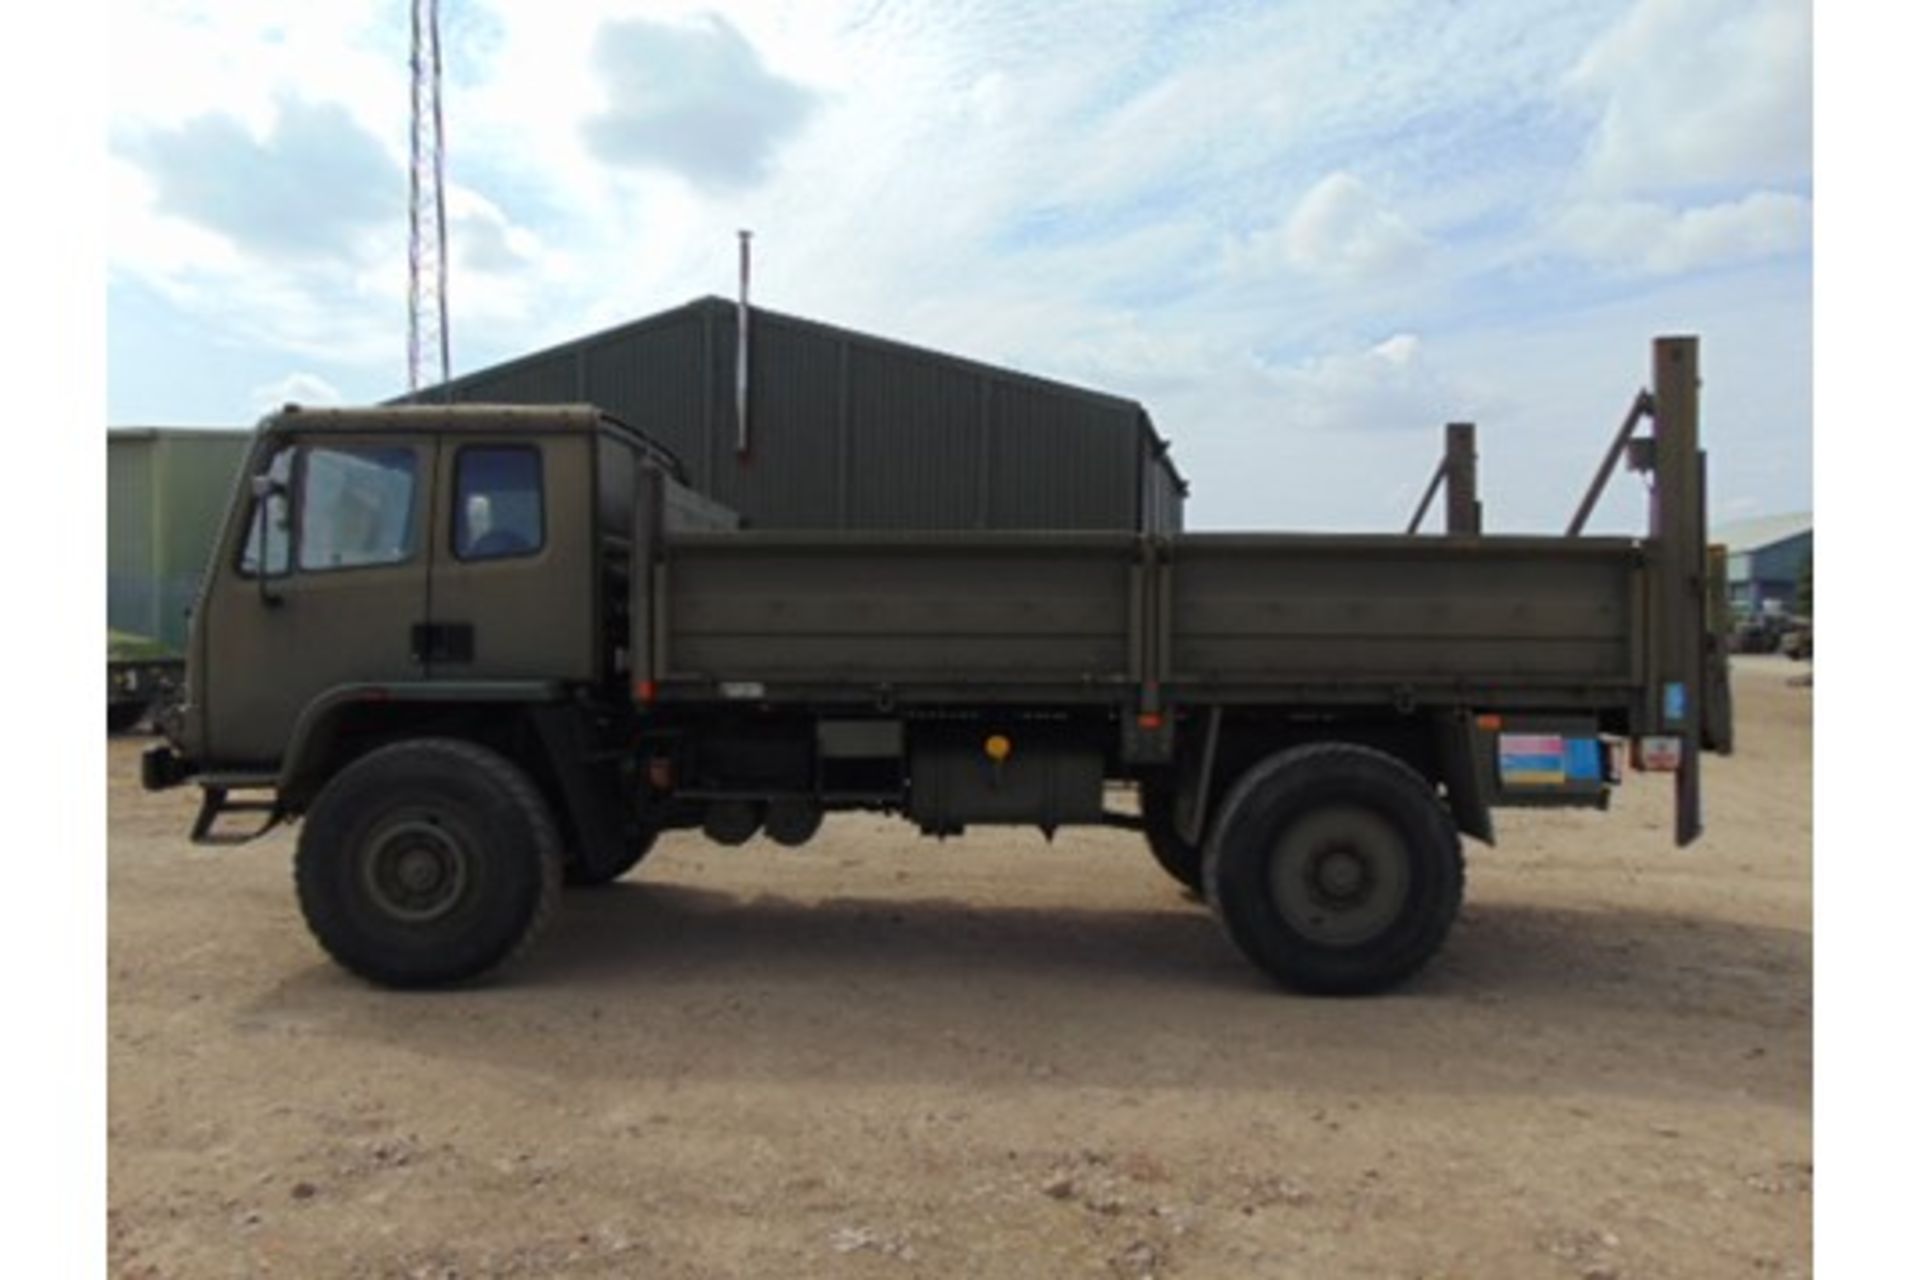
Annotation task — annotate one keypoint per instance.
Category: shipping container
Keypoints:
(167, 489)
(845, 430)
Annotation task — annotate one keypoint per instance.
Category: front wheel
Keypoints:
(427, 862)
(1335, 869)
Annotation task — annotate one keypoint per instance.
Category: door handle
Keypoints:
(430, 642)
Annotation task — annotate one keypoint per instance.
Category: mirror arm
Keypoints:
(264, 489)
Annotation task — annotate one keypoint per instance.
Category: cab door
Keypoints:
(513, 558)
(325, 587)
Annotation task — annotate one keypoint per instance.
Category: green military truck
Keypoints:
(167, 492)
(484, 650)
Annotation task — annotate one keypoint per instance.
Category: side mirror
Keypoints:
(265, 488)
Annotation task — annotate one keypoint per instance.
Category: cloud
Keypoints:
(1660, 240)
(693, 99)
(1095, 192)
(1391, 385)
(1701, 92)
(295, 388)
(292, 234)
(307, 189)
(1340, 229)
(482, 244)
(481, 238)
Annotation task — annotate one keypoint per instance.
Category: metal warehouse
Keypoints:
(1765, 558)
(845, 430)
(166, 491)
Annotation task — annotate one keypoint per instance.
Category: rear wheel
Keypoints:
(1335, 869)
(1176, 857)
(427, 862)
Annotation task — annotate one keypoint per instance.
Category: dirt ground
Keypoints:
(883, 1056)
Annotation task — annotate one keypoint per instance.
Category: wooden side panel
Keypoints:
(1196, 612)
(1292, 609)
(993, 609)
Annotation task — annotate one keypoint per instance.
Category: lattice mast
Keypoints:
(428, 339)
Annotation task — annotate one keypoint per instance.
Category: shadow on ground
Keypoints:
(651, 979)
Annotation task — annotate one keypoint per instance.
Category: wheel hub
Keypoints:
(419, 870)
(414, 870)
(1339, 875)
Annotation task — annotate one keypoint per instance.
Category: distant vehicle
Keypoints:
(480, 649)
(1797, 641)
(142, 675)
(1761, 630)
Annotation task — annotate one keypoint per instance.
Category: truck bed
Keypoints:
(1039, 617)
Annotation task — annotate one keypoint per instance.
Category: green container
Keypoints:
(167, 492)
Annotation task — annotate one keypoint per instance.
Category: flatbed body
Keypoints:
(1273, 619)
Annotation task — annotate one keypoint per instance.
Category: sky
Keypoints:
(1304, 235)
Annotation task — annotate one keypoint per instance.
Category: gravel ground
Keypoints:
(884, 1056)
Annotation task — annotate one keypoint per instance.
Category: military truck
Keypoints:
(480, 651)
(141, 673)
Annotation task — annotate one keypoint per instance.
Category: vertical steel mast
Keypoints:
(427, 333)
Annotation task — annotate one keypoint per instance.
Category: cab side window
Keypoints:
(497, 511)
(356, 507)
(278, 526)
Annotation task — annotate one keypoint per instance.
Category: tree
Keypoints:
(1803, 595)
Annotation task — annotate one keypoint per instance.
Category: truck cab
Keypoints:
(368, 555)
(385, 571)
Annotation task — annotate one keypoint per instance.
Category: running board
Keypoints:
(214, 804)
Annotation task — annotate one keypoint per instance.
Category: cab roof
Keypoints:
(519, 418)
(506, 419)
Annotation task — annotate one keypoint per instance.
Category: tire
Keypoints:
(578, 875)
(123, 716)
(1335, 869)
(1183, 861)
(427, 863)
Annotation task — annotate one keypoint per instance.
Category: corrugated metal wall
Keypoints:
(852, 431)
(132, 600)
(1782, 561)
(167, 492)
(1163, 495)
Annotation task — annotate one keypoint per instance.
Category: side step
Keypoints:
(214, 804)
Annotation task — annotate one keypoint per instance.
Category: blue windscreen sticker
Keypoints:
(1675, 705)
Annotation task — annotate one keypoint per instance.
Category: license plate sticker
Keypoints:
(1533, 759)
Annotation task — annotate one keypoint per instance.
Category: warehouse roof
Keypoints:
(1743, 536)
(1162, 448)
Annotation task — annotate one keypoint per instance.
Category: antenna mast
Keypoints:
(427, 333)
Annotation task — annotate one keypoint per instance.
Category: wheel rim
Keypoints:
(414, 870)
(1339, 876)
